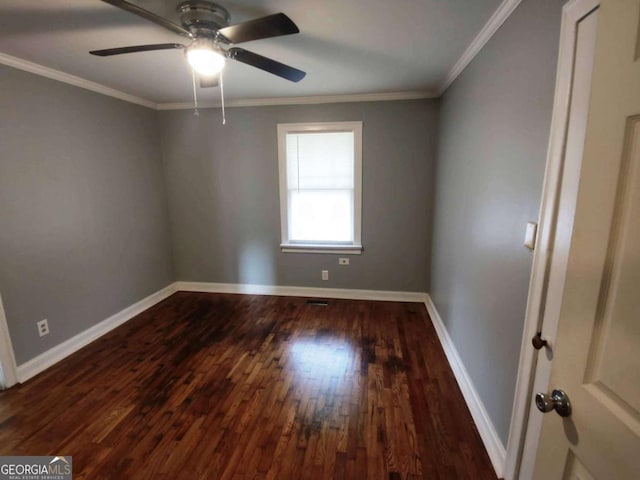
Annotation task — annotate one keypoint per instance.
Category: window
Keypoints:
(320, 186)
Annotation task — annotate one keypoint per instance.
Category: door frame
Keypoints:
(518, 452)
(8, 369)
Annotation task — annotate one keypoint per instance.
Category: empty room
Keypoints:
(284, 239)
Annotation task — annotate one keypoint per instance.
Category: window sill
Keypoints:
(319, 248)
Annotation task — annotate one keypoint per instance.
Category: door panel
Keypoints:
(614, 373)
(607, 430)
(576, 470)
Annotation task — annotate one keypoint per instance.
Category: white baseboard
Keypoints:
(490, 438)
(286, 291)
(487, 431)
(52, 356)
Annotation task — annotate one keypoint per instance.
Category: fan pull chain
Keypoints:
(224, 120)
(195, 95)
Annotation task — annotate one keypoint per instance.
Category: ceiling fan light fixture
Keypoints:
(205, 59)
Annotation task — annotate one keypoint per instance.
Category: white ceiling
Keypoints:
(345, 46)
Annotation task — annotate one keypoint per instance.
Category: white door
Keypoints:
(596, 351)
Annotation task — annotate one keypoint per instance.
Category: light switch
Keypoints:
(530, 235)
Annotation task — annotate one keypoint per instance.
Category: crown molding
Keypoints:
(43, 71)
(310, 100)
(501, 14)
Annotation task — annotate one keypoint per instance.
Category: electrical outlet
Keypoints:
(343, 261)
(325, 274)
(43, 327)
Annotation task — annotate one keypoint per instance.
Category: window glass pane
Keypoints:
(321, 215)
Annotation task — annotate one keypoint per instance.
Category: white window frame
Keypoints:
(287, 245)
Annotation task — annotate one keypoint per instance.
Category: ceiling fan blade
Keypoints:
(208, 82)
(136, 48)
(157, 19)
(266, 64)
(265, 27)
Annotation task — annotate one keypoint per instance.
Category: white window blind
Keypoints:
(320, 184)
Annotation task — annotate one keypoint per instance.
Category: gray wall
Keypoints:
(494, 129)
(224, 198)
(83, 220)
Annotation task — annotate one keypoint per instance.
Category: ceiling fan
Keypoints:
(206, 25)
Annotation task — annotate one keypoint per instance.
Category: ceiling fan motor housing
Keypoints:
(202, 17)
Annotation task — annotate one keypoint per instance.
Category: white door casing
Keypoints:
(595, 302)
(564, 157)
(8, 375)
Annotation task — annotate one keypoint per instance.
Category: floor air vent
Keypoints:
(318, 303)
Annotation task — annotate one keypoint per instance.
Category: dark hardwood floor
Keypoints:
(228, 386)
